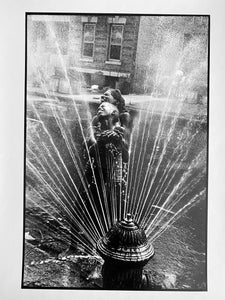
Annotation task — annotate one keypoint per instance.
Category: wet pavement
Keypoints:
(176, 265)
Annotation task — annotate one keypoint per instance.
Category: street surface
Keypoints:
(188, 110)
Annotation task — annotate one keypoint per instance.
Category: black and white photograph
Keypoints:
(112, 150)
(116, 151)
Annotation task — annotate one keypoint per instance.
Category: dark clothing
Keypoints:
(106, 173)
(124, 118)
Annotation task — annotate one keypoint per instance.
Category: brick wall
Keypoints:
(101, 44)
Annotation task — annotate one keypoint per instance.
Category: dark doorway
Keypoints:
(111, 81)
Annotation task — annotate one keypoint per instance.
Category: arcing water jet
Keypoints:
(164, 179)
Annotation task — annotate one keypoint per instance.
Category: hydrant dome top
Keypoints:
(125, 242)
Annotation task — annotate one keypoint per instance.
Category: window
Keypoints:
(38, 34)
(88, 40)
(62, 35)
(40, 30)
(187, 39)
(116, 37)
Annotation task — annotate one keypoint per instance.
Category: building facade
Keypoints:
(139, 54)
(172, 56)
(99, 48)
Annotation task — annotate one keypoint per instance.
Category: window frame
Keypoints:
(84, 42)
(63, 43)
(114, 44)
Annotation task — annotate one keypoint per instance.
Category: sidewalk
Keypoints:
(188, 110)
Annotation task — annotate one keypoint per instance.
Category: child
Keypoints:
(106, 168)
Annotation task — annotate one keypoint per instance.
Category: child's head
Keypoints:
(107, 110)
(114, 97)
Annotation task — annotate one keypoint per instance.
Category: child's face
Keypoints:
(106, 109)
(107, 97)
